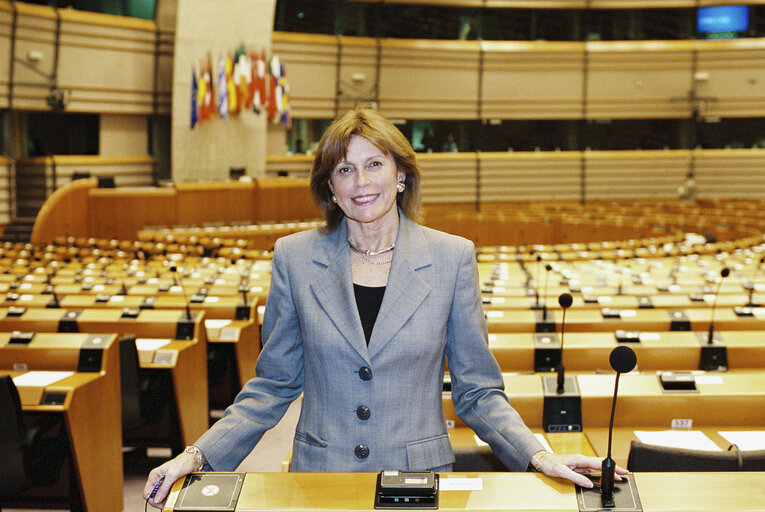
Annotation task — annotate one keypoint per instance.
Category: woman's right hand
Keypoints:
(172, 470)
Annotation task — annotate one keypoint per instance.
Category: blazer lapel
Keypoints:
(334, 288)
(405, 290)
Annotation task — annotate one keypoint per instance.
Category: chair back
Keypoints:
(13, 473)
(654, 458)
(129, 384)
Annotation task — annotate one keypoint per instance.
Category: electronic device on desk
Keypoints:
(406, 490)
(608, 494)
(562, 407)
(209, 492)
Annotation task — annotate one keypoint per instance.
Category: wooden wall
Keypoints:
(436, 79)
(111, 64)
(81, 209)
(575, 175)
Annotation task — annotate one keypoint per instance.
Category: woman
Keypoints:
(360, 318)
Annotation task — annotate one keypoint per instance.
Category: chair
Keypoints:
(478, 459)
(654, 458)
(30, 455)
(145, 395)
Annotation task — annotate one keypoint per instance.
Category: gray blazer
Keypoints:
(377, 407)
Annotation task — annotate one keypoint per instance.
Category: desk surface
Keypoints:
(677, 492)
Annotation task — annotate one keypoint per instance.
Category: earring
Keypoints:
(334, 198)
(400, 186)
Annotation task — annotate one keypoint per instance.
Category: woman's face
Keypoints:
(364, 183)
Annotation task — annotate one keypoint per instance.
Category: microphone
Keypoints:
(751, 302)
(725, 272)
(548, 268)
(177, 280)
(536, 281)
(623, 360)
(565, 300)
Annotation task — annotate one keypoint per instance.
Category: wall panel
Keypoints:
(429, 79)
(311, 62)
(616, 175)
(649, 79)
(448, 177)
(532, 80)
(531, 176)
(731, 78)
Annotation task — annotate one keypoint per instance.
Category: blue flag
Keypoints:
(194, 93)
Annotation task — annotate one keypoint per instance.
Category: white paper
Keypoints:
(452, 483)
(215, 323)
(650, 336)
(494, 314)
(685, 439)
(40, 378)
(745, 439)
(150, 344)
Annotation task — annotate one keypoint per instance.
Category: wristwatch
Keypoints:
(199, 459)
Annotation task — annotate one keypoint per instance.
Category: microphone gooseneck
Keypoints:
(725, 272)
(177, 279)
(623, 360)
(565, 300)
(548, 268)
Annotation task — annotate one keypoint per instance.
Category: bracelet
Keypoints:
(535, 460)
(199, 458)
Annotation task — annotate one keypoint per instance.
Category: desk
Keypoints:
(676, 492)
(90, 412)
(732, 398)
(184, 361)
(589, 320)
(668, 350)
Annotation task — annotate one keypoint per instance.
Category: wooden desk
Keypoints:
(184, 361)
(221, 323)
(676, 492)
(90, 412)
(668, 350)
(633, 320)
(731, 398)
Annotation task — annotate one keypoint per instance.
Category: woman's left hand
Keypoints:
(572, 467)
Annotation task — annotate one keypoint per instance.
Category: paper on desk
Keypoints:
(216, 323)
(540, 437)
(686, 439)
(150, 344)
(40, 378)
(452, 483)
(745, 439)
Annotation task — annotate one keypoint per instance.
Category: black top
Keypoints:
(368, 301)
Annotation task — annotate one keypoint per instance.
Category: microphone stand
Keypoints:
(608, 466)
(725, 272)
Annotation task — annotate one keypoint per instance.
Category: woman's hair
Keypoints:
(333, 148)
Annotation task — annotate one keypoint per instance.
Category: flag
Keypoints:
(206, 95)
(222, 88)
(242, 77)
(194, 93)
(258, 86)
(274, 97)
(233, 103)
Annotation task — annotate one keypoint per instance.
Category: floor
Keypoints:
(266, 457)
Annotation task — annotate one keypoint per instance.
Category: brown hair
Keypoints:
(333, 147)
